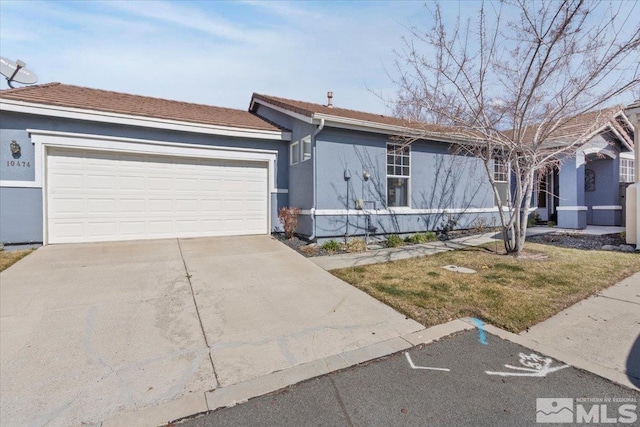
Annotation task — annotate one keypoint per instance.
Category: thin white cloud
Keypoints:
(209, 55)
(187, 17)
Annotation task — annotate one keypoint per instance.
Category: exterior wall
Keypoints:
(20, 215)
(572, 213)
(17, 228)
(442, 185)
(606, 192)
(632, 193)
(601, 206)
(301, 194)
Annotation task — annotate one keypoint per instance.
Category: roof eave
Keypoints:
(140, 121)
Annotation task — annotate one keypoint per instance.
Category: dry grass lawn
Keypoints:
(8, 258)
(510, 293)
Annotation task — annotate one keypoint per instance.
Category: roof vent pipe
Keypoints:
(329, 98)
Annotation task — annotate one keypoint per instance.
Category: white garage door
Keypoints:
(101, 196)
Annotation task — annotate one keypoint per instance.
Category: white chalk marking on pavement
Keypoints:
(423, 367)
(534, 366)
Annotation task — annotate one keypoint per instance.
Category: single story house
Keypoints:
(589, 187)
(87, 165)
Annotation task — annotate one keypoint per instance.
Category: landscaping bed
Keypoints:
(577, 240)
(510, 293)
(357, 244)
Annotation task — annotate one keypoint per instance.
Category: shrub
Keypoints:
(480, 225)
(533, 219)
(393, 240)
(623, 235)
(309, 250)
(330, 246)
(289, 220)
(551, 224)
(356, 245)
(427, 236)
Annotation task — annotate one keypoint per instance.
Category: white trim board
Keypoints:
(141, 121)
(607, 208)
(572, 208)
(19, 184)
(405, 211)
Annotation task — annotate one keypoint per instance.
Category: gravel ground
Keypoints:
(303, 247)
(577, 241)
(560, 238)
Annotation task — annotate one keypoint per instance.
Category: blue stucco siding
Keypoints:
(358, 152)
(301, 194)
(335, 226)
(440, 180)
(19, 166)
(274, 116)
(20, 215)
(606, 191)
(17, 200)
(21, 122)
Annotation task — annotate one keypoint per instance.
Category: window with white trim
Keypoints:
(499, 170)
(398, 174)
(306, 148)
(627, 170)
(501, 178)
(294, 152)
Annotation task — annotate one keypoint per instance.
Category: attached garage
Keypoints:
(105, 195)
(89, 165)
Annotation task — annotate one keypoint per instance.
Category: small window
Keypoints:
(627, 170)
(499, 170)
(398, 174)
(501, 177)
(589, 180)
(295, 152)
(306, 148)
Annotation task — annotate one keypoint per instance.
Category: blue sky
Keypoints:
(213, 52)
(217, 52)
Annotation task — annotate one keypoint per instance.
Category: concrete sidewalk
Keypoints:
(603, 329)
(378, 256)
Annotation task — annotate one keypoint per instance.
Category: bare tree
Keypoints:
(510, 80)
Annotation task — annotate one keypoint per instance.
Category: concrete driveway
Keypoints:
(91, 331)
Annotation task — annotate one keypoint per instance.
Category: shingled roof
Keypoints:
(582, 125)
(63, 95)
(312, 110)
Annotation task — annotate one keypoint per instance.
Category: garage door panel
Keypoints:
(129, 206)
(101, 228)
(101, 206)
(101, 196)
(67, 205)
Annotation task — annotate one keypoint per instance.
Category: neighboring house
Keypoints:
(85, 165)
(633, 199)
(589, 186)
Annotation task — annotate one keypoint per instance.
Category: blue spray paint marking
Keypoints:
(482, 336)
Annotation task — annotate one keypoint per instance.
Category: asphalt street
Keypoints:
(476, 390)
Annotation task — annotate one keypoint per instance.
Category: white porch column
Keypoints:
(633, 201)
